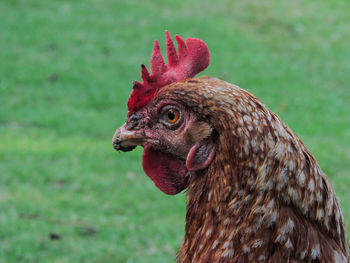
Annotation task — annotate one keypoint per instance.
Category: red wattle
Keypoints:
(167, 172)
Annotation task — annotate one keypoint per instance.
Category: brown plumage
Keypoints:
(264, 198)
(254, 191)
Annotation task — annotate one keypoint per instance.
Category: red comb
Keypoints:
(193, 58)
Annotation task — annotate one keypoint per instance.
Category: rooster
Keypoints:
(254, 191)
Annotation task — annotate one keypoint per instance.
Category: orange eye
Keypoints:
(172, 116)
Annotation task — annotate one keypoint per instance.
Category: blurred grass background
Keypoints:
(66, 71)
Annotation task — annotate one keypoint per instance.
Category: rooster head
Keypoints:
(175, 140)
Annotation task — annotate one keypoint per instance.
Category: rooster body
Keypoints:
(264, 198)
(254, 192)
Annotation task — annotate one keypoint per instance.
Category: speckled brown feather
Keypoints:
(264, 198)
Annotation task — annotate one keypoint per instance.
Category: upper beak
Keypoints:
(126, 140)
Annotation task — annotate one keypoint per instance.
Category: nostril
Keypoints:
(133, 121)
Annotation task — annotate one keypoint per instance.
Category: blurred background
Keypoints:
(66, 71)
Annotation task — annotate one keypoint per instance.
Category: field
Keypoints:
(66, 71)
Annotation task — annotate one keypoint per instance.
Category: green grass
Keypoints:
(66, 70)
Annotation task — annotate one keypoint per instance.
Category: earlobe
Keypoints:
(200, 155)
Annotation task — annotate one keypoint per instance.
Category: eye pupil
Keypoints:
(171, 115)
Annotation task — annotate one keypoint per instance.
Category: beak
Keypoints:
(126, 140)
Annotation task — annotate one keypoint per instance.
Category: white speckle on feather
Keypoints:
(247, 133)
(279, 150)
(271, 142)
(284, 177)
(222, 232)
(285, 229)
(339, 258)
(228, 253)
(272, 219)
(329, 205)
(291, 165)
(288, 244)
(246, 148)
(311, 198)
(226, 244)
(290, 191)
(246, 249)
(261, 258)
(215, 244)
(253, 143)
(315, 252)
(231, 234)
(257, 243)
(194, 257)
(271, 204)
(311, 185)
(320, 214)
(227, 220)
(301, 179)
(208, 232)
(290, 224)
